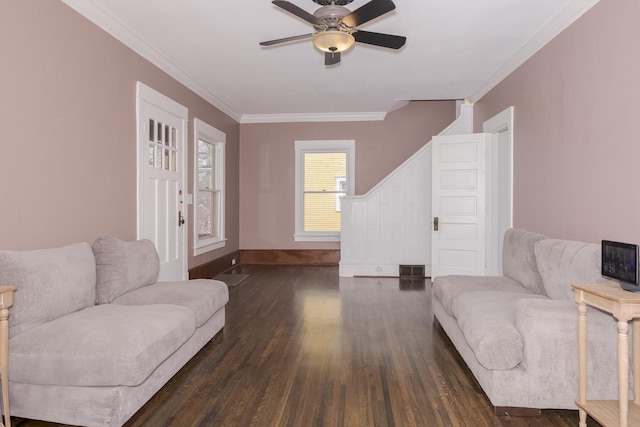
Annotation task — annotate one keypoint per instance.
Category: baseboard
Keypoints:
(375, 270)
(211, 269)
(366, 270)
(290, 257)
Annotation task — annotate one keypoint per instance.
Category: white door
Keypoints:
(162, 125)
(458, 205)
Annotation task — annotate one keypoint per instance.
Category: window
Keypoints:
(208, 181)
(324, 173)
(162, 146)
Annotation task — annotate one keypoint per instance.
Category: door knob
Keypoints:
(180, 218)
(435, 224)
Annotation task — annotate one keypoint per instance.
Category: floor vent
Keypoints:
(412, 271)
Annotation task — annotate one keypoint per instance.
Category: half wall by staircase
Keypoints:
(390, 225)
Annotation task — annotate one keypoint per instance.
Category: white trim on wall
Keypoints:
(103, 19)
(313, 117)
(499, 187)
(569, 14)
(109, 23)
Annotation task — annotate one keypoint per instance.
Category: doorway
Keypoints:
(500, 190)
(475, 178)
(161, 179)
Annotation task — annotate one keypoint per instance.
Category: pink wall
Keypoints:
(576, 143)
(267, 165)
(68, 131)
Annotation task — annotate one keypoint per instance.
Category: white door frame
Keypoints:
(146, 96)
(499, 186)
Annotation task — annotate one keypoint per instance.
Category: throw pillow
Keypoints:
(50, 284)
(123, 266)
(564, 262)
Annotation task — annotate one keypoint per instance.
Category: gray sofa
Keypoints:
(517, 333)
(93, 335)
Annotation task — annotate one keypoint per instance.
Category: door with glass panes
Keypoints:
(161, 179)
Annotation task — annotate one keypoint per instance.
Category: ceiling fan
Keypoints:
(336, 26)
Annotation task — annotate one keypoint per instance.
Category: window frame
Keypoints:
(339, 181)
(319, 146)
(203, 131)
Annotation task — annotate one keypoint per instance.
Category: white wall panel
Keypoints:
(391, 224)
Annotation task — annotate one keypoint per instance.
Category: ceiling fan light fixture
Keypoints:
(333, 41)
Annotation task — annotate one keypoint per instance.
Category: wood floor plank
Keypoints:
(303, 347)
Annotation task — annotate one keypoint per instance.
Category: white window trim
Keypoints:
(205, 132)
(321, 146)
(339, 180)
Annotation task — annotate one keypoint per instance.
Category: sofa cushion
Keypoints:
(104, 345)
(488, 321)
(50, 283)
(518, 258)
(123, 266)
(564, 262)
(204, 297)
(448, 288)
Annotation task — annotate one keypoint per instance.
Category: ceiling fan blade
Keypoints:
(379, 39)
(299, 12)
(369, 11)
(286, 39)
(331, 58)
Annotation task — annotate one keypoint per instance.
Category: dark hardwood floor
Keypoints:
(303, 347)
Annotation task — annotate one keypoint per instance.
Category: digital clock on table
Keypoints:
(620, 262)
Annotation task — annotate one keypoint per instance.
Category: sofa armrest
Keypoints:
(542, 321)
(549, 330)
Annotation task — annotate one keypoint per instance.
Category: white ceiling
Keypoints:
(455, 49)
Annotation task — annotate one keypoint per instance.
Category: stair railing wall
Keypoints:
(390, 225)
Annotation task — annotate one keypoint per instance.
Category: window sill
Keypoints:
(316, 237)
(208, 247)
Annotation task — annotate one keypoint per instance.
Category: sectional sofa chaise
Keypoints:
(93, 335)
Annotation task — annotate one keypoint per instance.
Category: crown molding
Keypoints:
(103, 19)
(560, 21)
(131, 39)
(312, 117)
